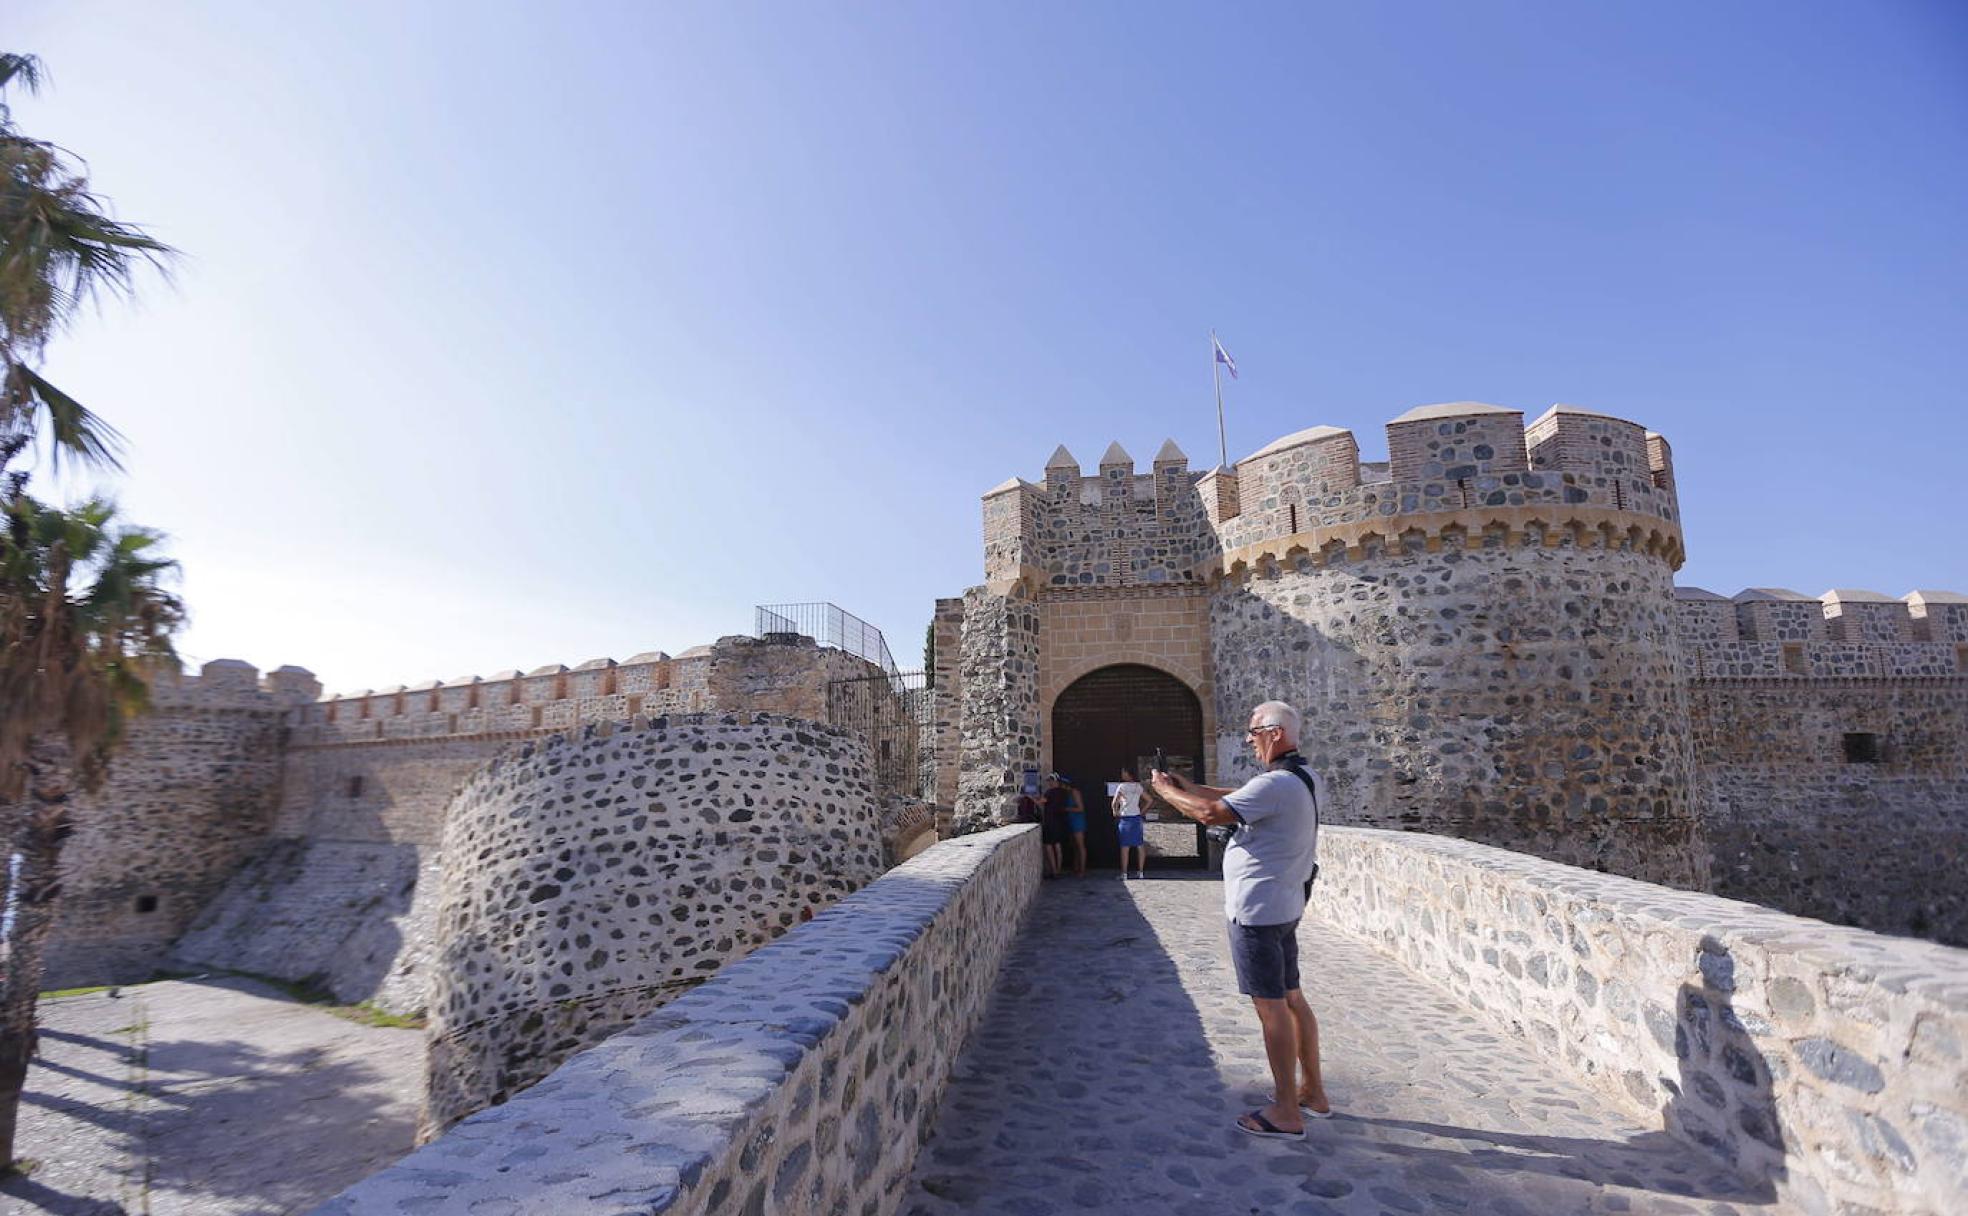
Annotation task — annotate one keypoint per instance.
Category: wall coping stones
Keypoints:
(1855, 595)
(1826, 1063)
(1311, 434)
(719, 1091)
(1453, 409)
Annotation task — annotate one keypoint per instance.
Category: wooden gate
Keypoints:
(1114, 718)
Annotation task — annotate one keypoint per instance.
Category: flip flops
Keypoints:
(1309, 1113)
(1265, 1129)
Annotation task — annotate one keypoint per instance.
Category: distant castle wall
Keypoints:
(1831, 745)
(190, 796)
(250, 826)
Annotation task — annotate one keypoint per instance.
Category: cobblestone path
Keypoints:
(1116, 1054)
(218, 1097)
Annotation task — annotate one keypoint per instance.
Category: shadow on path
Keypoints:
(209, 1097)
(1116, 1054)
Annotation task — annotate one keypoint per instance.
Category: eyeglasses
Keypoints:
(1253, 731)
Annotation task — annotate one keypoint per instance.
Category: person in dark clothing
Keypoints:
(1053, 831)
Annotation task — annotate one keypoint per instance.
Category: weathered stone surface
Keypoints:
(1821, 1109)
(800, 1078)
(612, 871)
(1522, 695)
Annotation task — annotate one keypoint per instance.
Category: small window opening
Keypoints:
(1293, 508)
(146, 903)
(1794, 658)
(1462, 484)
(1961, 659)
(1861, 747)
(1619, 495)
(355, 787)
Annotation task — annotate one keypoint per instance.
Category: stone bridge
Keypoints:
(1501, 1035)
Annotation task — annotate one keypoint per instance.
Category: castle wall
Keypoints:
(613, 871)
(1831, 748)
(999, 674)
(188, 798)
(802, 1078)
(300, 839)
(1498, 689)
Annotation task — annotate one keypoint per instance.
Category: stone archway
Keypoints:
(1116, 716)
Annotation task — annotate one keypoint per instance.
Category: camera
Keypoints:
(1161, 761)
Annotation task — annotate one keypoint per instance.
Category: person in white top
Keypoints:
(1127, 823)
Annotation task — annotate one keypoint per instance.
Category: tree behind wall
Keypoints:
(84, 625)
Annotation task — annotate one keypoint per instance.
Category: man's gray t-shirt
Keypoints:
(1270, 855)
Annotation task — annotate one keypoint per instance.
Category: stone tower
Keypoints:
(1480, 631)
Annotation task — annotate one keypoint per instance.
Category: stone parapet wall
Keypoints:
(802, 1078)
(1447, 460)
(1828, 1064)
(611, 871)
(512, 704)
(1771, 633)
(1120, 528)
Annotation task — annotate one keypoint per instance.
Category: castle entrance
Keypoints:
(1115, 718)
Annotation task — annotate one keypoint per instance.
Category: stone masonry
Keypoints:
(1485, 637)
(801, 1078)
(614, 870)
(251, 826)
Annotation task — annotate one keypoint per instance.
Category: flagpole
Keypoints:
(1216, 374)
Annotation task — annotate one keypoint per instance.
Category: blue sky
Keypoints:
(517, 334)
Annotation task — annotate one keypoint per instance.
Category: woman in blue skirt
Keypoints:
(1127, 823)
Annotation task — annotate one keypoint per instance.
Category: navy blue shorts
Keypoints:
(1266, 958)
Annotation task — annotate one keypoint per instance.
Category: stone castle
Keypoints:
(1483, 632)
(1486, 639)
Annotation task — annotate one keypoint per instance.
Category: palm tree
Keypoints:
(58, 250)
(84, 623)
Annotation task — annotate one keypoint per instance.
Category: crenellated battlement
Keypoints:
(1463, 472)
(1773, 632)
(553, 697)
(234, 684)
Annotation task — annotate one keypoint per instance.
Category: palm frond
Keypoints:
(73, 428)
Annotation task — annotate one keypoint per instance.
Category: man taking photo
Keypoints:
(1268, 864)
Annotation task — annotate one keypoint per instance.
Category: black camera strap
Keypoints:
(1294, 763)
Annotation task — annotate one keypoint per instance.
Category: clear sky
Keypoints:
(517, 334)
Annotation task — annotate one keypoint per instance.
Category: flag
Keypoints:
(1223, 357)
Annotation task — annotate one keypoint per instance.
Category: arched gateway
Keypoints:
(1116, 717)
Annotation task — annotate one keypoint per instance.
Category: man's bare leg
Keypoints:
(1281, 1049)
(1306, 1030)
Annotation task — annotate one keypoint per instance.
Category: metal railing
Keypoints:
(827, 625)
(896, 714)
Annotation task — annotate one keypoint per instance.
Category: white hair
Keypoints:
(1277, 713)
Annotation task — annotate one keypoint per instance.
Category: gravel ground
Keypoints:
(216, 1096)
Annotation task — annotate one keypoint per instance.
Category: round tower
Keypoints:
(1479, 632)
